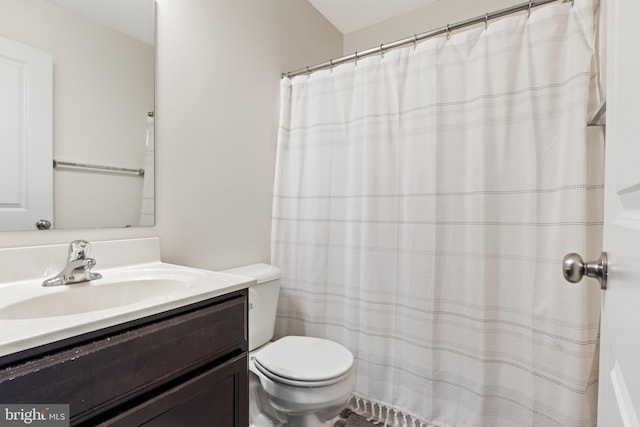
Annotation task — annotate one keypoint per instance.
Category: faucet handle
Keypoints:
(79, 249)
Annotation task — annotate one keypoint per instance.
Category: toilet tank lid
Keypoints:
(261, 272)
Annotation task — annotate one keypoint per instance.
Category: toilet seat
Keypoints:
(304, 361)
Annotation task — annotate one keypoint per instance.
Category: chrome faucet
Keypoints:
(78, 268)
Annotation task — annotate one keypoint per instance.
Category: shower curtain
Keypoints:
(147, 207)
(423, 202)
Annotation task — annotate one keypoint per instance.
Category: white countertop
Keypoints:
(32, 315)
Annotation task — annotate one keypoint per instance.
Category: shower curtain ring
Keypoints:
(486, 21)
(356, 54)
(415, 41)
(381, 52)
(529, 10)
(448, 32)
(331, 62)
(308, 73)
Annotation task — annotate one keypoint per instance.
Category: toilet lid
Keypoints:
(305, 359)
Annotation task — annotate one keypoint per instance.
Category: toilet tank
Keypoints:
(263, 301)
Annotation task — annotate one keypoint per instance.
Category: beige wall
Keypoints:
(219, 65)
(435, 15)
(103, 89)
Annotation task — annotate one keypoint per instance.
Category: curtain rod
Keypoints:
(416, 38)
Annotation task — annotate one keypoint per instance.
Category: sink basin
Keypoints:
(96, 295)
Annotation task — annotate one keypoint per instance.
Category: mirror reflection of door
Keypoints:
(26, 100)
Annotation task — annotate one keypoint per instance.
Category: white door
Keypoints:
(26, 141)
(619, 389)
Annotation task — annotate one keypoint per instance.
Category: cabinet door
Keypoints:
(215, 398)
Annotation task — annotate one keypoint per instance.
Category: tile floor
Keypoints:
(348, 418)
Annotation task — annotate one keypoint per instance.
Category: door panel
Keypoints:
(619, 391)
(26, 142)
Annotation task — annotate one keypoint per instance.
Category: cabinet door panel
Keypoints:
(215, 398)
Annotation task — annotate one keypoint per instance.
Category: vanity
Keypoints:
(148, 343)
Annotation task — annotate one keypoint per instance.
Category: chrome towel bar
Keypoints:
(57, 163)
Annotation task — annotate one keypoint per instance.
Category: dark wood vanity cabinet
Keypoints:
(188, 367)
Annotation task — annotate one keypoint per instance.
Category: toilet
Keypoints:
(294, 381)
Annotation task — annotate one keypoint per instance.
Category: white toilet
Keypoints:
(293, 381)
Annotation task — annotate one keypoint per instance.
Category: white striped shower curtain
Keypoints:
(148, 206)
(423, 202)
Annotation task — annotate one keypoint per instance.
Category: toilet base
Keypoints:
(294, 421)
(308, 421)
(266, 411)
(261, 419)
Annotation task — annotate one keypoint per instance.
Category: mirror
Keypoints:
(77, 93)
